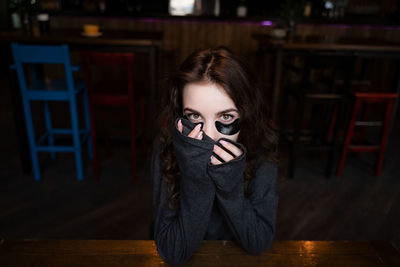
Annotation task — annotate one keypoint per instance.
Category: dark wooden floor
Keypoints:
(357, 206)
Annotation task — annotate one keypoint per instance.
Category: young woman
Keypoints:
(213, 169)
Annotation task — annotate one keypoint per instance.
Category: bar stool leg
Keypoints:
(87, 124)
(133, 140)
(93, 133)
(76, 139)
(365, 115)
(107, 143)
(333, 121)
(49, 127)
(296, 130)
(349, 135)
(283, 119)
(384, 138)
(31, 138)
(145, 126)
(334, 127)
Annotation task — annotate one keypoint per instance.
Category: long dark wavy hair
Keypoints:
(221, 67)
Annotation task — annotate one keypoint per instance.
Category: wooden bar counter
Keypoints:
(210, 253)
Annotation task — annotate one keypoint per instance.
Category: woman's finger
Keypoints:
(200, 135)
(180, 126)
(215, 161)
(195, 132)
(232, 148)
(225, 156)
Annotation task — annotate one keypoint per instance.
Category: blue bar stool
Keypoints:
(45, 90)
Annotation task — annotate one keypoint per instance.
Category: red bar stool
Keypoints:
(111, 93)
(360, 98)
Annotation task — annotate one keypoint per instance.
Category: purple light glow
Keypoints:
(343, 26)
(151, 20)
(266, 23)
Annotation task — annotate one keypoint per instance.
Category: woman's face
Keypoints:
(208, 103)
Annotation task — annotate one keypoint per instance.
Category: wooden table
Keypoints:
(211, 253)
(121, 41)
(369, 48)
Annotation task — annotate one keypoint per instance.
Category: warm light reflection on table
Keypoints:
(210, 253)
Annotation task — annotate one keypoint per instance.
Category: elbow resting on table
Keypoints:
(174, 259)
(254, 250)
(258, 245)
(175, 255)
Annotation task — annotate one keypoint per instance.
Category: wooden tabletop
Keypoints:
(75, 37)
(313, 42)
(211, 253)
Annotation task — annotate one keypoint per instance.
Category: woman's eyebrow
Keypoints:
(227, 111)
(191, 110)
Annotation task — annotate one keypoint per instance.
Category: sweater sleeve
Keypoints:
(251, 219)
(179, 233)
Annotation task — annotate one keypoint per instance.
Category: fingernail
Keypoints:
(223, 142)
(200, 134)
(215, 147)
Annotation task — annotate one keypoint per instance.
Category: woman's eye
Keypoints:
(194, 116)
(226, 117)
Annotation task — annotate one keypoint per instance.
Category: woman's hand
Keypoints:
(225, 155)
(196, 133)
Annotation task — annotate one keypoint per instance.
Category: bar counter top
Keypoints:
(76, 37)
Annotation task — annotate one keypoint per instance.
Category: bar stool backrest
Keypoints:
(102, 59)
(42, 54)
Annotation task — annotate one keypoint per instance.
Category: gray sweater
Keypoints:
(213, 205)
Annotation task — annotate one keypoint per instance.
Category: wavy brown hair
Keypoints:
(218, 66)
